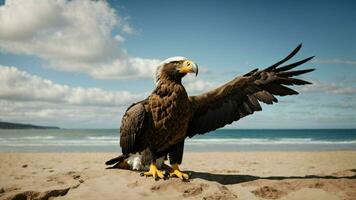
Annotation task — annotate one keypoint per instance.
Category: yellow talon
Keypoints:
(154, 172)
(176, 172)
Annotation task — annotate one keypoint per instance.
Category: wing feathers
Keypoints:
(265, 97)
(254, 102)
(294, 73)
(295, 51)
(240, 97)
(131, 127)
(293, 65)
(291, 81)
(251, 72)
(247, 109)
(277, 89)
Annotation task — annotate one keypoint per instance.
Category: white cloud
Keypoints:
(20, 86)
(127, 68)
(119, 38)
(31, 99)
(60, 114)
(195, 86)
(74, 36)
(335, 61)
(331, 88)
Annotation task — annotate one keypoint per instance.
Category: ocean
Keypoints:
(107, 140)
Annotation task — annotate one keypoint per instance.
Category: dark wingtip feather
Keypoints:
(293, 65)
(112, 161)
(298, 47)
(295, 51)
(291, 81)
(305, 82)
(309, 70)
(115, 160)
(294, 73)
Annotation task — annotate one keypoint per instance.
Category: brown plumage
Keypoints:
(157, 126)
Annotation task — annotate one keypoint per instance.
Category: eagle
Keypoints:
(154, 130)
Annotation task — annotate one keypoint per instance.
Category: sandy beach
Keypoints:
(219, 175)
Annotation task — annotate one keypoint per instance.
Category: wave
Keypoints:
(58, 143)
(29, 138)
(259, 141)
(102, 137)
(37, 138)
(111, 141)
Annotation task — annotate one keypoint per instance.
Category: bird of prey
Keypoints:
(154, 129)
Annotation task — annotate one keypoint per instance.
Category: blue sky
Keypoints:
(79, 64)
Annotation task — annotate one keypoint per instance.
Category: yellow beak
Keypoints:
(188, 66)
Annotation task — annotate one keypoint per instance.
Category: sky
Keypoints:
(80, 63)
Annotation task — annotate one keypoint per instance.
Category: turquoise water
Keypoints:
(107, 140)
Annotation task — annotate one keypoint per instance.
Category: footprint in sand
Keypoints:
(187, 189)
(193, 191)
(268, 192)
(132, 185)
(39, 195)
(222, 193)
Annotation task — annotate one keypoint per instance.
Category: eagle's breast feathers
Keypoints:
(170, 111)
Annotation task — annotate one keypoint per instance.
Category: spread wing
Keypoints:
(242, 96)
(131, 127)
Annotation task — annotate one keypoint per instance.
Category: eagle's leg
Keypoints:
(154, 171)
(175, 159)
(178, 173)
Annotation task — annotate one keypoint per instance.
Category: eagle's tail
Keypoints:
(118, 161)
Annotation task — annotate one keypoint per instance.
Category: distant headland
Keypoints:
(9, 125)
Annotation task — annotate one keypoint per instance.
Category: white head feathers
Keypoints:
(157, 74)
(172, 59)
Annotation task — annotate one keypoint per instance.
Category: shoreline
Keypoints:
(185, 152)
(190, 151)
(214, 175)
(219, 140)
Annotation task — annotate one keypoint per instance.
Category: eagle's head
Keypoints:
(174, 69)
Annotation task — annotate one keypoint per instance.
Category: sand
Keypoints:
(220, 175)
